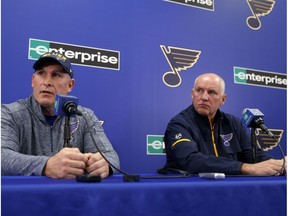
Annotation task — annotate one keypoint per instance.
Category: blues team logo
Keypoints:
(226, 138)
(73, 127)
(267, 143)
(258, 8)
(178, 59)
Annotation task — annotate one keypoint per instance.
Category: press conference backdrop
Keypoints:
(135, 61)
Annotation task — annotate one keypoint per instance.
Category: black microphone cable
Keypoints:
(283, 155)
(259, 123)
(271, 135)
(165, 172)
(127, 177)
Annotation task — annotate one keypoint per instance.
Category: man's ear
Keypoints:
(192, 93)
(224, 97)
(32, 81)
(71, 85)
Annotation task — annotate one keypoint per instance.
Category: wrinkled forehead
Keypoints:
(210, 80)
(208, 83)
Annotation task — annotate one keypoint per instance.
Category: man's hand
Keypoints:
(97, 165)
(68, 163)
(266, 168)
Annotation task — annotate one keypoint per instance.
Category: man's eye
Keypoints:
(57, 75)
(212, 93)
(40, 72)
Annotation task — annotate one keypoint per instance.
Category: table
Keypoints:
(233, 196)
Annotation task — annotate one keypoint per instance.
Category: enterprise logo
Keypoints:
(203, 4)
(79, 55)
(155, 145)
(260, 78)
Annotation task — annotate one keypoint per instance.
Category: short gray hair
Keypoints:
(221, 80)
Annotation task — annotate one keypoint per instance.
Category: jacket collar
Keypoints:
(37, 108)
(218, 116)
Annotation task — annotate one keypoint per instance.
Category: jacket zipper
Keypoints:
(51, 138)
(213, 138)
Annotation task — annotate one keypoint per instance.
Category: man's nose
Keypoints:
(205, 96)
(48, 81)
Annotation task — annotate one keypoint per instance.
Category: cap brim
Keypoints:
(38, 64)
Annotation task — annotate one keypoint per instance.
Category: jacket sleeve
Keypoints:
(12, 161)
(96, 140)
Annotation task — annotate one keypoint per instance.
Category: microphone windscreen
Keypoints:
(244, 110)
(249, 115)
(60, 100)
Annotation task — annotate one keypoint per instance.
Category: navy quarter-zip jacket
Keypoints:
(195, 145)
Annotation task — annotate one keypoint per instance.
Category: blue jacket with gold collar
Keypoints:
(195, 145)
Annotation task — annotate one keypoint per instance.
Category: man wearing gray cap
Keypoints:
(32, 135)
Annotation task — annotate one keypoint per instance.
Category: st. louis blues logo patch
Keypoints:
(73, 127)
(226, 138)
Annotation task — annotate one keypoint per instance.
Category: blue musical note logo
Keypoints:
(258, 8)
(178, 59)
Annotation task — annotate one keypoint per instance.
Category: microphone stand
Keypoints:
(67, 135)
(254, 144)
(67, 138)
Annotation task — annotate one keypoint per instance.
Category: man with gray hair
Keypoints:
(202, 138)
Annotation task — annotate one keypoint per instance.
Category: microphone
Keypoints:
(66, 105)
(253, 118)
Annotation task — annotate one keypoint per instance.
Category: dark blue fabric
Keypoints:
(50, 119)
(197, 155)
(233, 196)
